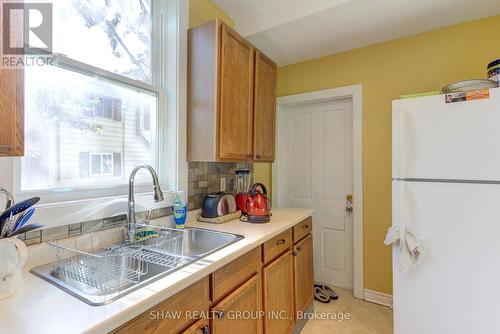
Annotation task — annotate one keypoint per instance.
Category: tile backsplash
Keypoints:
(39, 236)
(204, 178)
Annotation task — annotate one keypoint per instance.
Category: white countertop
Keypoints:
(43, 308)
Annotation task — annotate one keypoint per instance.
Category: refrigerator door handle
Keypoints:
(401, 191)
(402, 144)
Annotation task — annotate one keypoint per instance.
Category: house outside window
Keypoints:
(87, 103)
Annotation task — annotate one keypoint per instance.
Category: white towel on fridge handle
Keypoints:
(409, 243)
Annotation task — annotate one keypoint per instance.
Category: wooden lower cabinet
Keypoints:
(233, 275)
(200, 327)
(278, 295)
(276, 246)
(242, 297)
(173, 315)
(240, 312)
(303, 273)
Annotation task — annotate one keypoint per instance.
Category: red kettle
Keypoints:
(258, 205)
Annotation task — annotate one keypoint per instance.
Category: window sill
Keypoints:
(75, 211)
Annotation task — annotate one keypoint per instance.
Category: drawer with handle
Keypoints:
(232, 275)
(200, 327)
(277, 246)
(302, 229)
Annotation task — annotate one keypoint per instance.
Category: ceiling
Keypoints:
(290, 31)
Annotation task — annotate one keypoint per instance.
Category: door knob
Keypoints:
(349, 202)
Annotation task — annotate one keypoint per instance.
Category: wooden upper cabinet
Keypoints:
(11, 104)
(11, 113)
(236, 97)
(266, 72)
(231, 93)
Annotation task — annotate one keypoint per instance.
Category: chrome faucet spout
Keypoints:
(157, 195)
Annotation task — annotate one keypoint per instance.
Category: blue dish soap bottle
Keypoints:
(180, 210)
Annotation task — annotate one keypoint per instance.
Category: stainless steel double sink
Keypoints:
(100, 276)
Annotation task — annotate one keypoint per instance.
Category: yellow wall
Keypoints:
(419, 63)
(262, 173)
(201, 11)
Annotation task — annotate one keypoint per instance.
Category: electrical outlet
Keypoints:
(223, 184)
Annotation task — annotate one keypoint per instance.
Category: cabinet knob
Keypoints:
(281, 241)
(258, 156)
(295, 253)
(299, 249)
(305, 226)
(219, 314)
(205, 329)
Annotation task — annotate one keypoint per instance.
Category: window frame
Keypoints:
(169, 41)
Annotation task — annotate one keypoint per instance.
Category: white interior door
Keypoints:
(315, 170)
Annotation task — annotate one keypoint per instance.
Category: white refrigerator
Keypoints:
(446, 189)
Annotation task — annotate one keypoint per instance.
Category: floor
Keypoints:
(365, 317)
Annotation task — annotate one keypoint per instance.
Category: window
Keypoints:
(82, 114)
(106, 107)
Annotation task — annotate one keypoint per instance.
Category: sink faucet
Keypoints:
(157, 193)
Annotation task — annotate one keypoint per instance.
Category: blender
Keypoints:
(243, 178)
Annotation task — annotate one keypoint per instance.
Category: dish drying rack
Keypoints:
(102, 270)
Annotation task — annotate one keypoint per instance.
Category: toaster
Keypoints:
(217, 205)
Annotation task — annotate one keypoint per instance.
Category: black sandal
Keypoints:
(320, 295)
(327, 291)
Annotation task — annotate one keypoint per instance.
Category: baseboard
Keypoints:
(302, 322)
(378, 298)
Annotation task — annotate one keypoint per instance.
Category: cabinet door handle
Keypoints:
(281, 241)
(297, 250)
(258, 156)
(5, 147)
(220, 314)
(205, 329)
